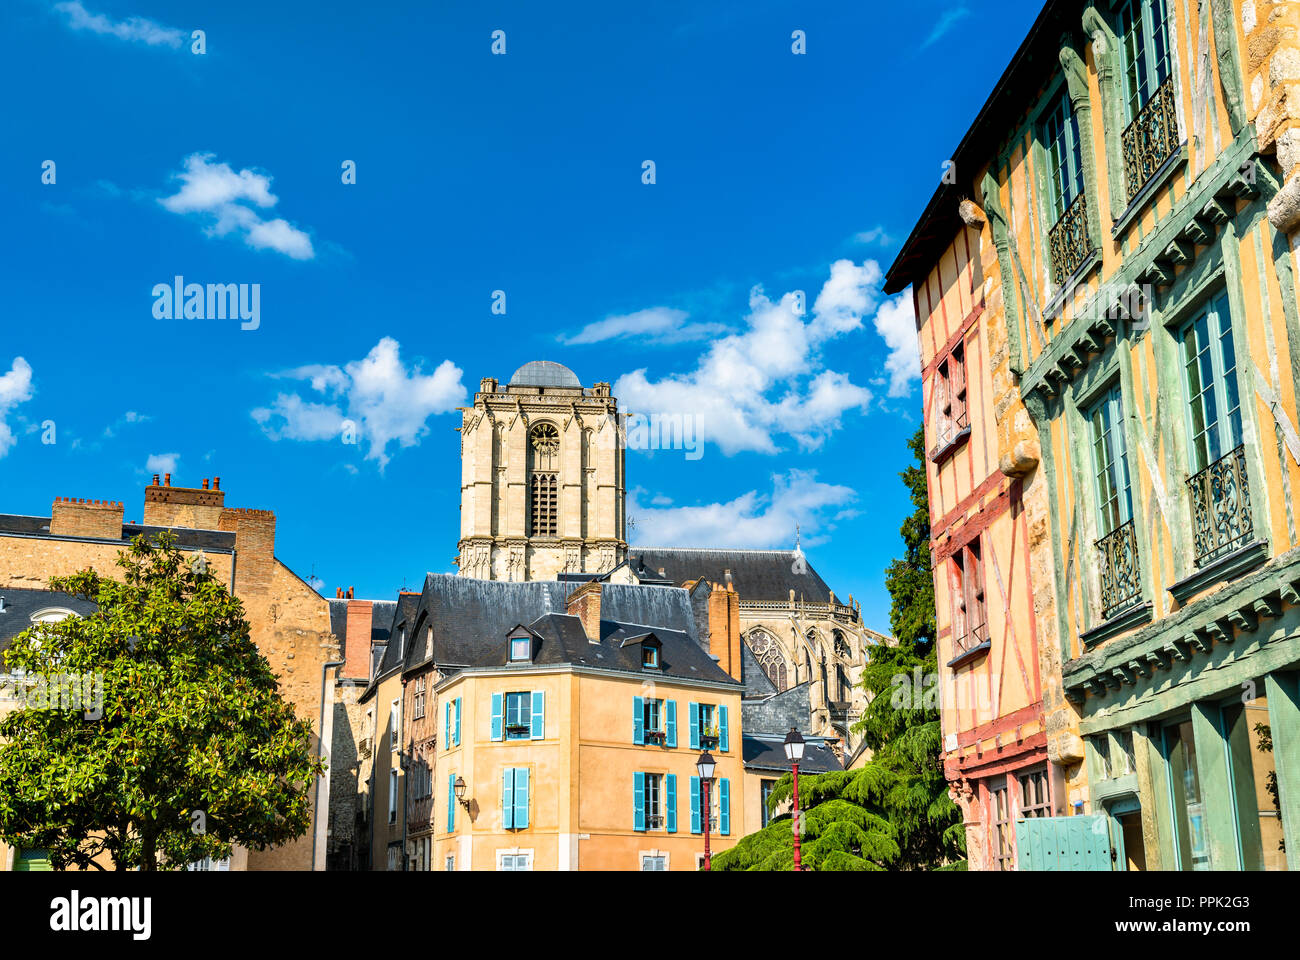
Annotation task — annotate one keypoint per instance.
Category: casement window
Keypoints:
(521, 649)
(1110, 461)
(451, 723)
(395, 721)
(1001, 827)
(514, 798)
(719, 805)
(394, 857)
(1210, 368)
(519, 715)
(417, 699)
(450, 864)
(970, 626)
(654, 801)
(515, 861)
(392, 796)
(1064, 157)
(709, 727)
(451, 803)
(1143, 30)
(654, 863)
(765, 792)
(1035, 797)
(649, 656)
(654, 721)
(950, 398)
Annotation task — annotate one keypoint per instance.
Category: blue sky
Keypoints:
(522, 173)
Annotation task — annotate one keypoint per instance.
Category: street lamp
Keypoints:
(794, 753)
(705, 766)
(459, 788)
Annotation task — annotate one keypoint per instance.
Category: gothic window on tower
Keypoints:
(544, 463)
(769, 656)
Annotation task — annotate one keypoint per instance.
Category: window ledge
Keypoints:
(1226, 567)
(974, 653)
(1133, 616)
(942, 453)
(1158, 179)
(1053, 308)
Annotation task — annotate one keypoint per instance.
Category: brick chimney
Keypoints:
(254, 532)
(584, 603)
(98, 519)
(357, 642)
(724, 627)
(193, 507)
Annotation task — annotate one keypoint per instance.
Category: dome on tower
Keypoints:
(544, 373)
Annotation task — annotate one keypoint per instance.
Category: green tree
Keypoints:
(894, 812)
(192, 749)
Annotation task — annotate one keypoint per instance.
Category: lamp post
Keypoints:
(705, 767)
(794, 753)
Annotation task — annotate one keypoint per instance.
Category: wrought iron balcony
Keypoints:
(1068, 241)
(1151, 139)
(1221, 519)
(1121, 573)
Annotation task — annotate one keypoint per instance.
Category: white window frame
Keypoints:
(515, 852)
(643, 855)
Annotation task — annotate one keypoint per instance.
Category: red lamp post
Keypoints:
(705, 766)
(794, 753)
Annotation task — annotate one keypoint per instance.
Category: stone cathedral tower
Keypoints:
(542, 478)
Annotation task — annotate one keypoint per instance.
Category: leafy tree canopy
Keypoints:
(192, 749)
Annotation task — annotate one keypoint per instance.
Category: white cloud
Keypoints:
(876, 235)
(768, 380)
(946, 22)
(896, 324)
(752, 520)
(132, 29)
(378, 394)
(15, 388)
(657, 324)
(162, 463)
(225, 199)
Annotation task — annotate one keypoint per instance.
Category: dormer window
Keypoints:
(521, 649)
(650, 656)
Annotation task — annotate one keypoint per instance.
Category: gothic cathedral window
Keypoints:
(769, 656)
(543, 469)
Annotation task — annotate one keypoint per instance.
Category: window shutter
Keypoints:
(722, 729)
(670, 800)
(458, 721)
(521, 797)
(451, 803)
(496, 717)
(670, 724)
(724, 807)
(638, 720)
(695, 804)
(539, 715)
(638, 801)
(508, 797)
(694, 713)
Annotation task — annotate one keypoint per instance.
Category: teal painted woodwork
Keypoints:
(1064, 843)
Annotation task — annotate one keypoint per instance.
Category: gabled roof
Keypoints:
(768, 753)
(756, 574)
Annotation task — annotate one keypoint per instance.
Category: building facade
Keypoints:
(1132, 185)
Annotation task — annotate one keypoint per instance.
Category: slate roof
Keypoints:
(19, 605)
(217, 541)
(756, 574)
(544, 373)
(768, 753)
(381, 621)
(472, 618)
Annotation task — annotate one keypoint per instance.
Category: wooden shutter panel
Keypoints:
(458, 721)
(638, 801)
(670, 801)
(724, 807)
(539, 715)
(446, 723)
(497, 727)
(521, 798)
(508, 798)
(695, 805)
(694, 714)
(638, 720)
(722, 729)
(451, 803)
(1064, 843)
(670, 724)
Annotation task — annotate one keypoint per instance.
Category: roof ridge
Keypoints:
(712, 549)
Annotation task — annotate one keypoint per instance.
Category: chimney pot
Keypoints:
(338, 595)
(205, 483)
(155, 479)
(167, 478)
(216, 483)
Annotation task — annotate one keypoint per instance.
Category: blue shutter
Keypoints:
(670, 800)
(724, 805)
(446, 723)
(539, 715)
(496, 717)
(521, 797)
(638, 720)
(458, 721)
(1064, 843)
(638, 801)
(451, 803)
(694, 710)
(670, 725)
(722, 729)
(695, 804)
(508, 798)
